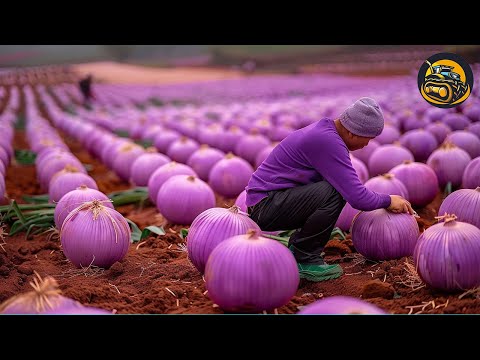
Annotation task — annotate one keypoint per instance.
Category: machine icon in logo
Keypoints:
(445, 80)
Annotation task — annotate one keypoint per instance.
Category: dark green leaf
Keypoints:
(36, 199)
(37, 221)
(122, 133)
(136, 232)
(25, 157)
(152, 229)
(283, 240)
(18, 212)
(448, 189)
(183, 233)
(337, 231)
(137, 195)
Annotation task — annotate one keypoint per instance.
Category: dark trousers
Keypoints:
(311, 209)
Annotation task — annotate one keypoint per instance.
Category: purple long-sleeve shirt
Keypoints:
(312, 154)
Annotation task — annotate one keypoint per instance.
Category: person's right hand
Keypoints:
(399, 205)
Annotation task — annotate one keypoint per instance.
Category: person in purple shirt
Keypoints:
(305, 181)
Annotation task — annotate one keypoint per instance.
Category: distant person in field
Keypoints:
(306, 180)
(85, 85)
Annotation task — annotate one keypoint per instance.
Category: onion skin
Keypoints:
(65, 181)
(360, 168)
(365, 153)
(94, 234)
(341, 305)
(383, 235)
(212, 227)
(240, 201)
(387, 184)
(471, 175)
(466, 141)
(74, 199)
(439, 130)
(446, 255)
(230, 176)
(465, 204)
(449, 163)
(421, 143)
(202, 160)
(183, 197)
(420, 181)
(344, 221)
(386, 157)
(162, 174)
(250, 273)
(145, 165)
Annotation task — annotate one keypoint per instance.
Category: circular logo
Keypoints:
(445, 80)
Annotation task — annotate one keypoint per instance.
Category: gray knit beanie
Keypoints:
(363, 118)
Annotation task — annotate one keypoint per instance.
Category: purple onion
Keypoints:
(473, 113)
(2, 188)
(420, 142)
(181, 149)
(4, 157)
(250, 273)
(344, 305)
(240, 201)
(365, 153)
(74, 199)
(278, 133)
(263, 154)
(456, 121)
(475, 129)
(386, 157)
(471, 175)
(360, 169)
(162, 174)
(449, 163)
(183, 197)
(204, 159)
(465, 204)
(446, 255)
(420, 181)
(414, 122)
(344, 221)
(387, 184)
(164, 139)
(94, 234)
(45, 298)
(230, 176)
(388, 135)
(67, 180)
(125, 157)
(212, 227)
(230, 138)
(439, 130)
(145, 165)
(384, 235)
(466, 141)
(51, 166)
(250, 146)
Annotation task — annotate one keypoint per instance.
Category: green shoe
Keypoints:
(324, 272)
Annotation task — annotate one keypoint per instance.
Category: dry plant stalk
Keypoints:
(412, 279)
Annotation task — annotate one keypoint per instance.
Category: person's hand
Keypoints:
(399, 205)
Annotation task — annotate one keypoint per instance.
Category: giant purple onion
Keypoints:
(466, 141)
(3, 170)
(420, 181)
(364, 154)
(46, 298)
(475, 129)
(145, 165)
(251, 273)
(387, 184)
(384, 235)
(164, 139)
(456, 121)
(126, 156)
(471, 175)
(263, 154)
(180, 150)
(439, 130)
(449, 163)
(2, 188)
(341, 305)
(386, 157)
(240, 201)
(67, 180)
(162, 174)
(389, 134)
(446, 255)
(473, 112)
(360, 169)
(94, 234)
(212, 227)
(465, 204)
(4, 157)
(250, 146)
(230, 176)
(74, 199)
(420, 142)
(202, 160)
(183, 197)
(344, 221)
